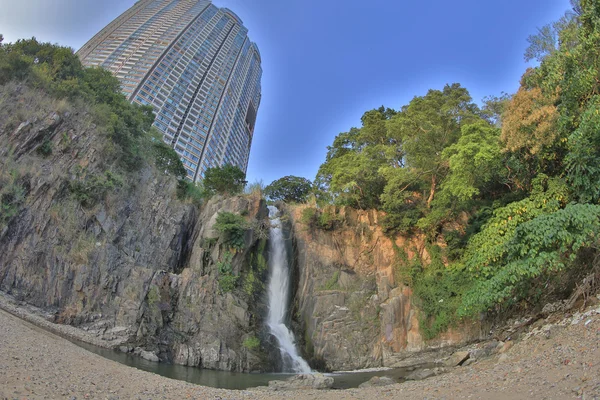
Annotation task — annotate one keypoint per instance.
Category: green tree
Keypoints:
(474, 161)
(289, 189)
(429, 124)
(225, 180)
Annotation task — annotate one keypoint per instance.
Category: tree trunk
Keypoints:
(431, 190)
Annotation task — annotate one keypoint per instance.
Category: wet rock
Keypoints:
(148, 355)
(377, 381)
(303, 381)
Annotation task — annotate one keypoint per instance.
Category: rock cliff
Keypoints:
(137, 267)
(349, 305)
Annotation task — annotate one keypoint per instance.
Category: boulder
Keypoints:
(147, 355)
(303, 381)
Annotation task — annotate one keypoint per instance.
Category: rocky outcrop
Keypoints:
(352, 309)
(137, 267)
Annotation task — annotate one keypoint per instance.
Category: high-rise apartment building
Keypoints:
(193, 62)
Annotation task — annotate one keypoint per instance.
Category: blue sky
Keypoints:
(326, 62)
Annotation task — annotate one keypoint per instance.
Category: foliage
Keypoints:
(308, 216)
(332, 282)
(227, 281)
(233, 229)
(12, 196)
(225, 180)
(166, 159)
(255, 189)
(325, 219)
(583, 160)
(530, 122)
(289, 189)
(544, 245)
(511, 188)
(89, 189)
(251, 343)
(45, 148)
(191, 191)
(58, 71)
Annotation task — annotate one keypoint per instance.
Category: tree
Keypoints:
(351, 170)
(289, 189)
(225, 180)
(429, 124)
(474, 161)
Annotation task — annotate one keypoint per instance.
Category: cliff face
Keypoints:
(352, 311)
(136, 267)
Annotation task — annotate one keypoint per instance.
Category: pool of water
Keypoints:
(233, 380)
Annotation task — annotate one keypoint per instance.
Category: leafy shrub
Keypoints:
(543, 245)
(233, 229)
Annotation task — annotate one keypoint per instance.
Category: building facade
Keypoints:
(194, 63)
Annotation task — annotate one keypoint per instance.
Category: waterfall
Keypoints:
(279, 288)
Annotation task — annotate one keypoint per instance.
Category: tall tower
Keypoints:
(193, 62)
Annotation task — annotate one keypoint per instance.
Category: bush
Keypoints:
(320, 219)
(89, 190)
(309, 216)
(233, 229)
(193, 192)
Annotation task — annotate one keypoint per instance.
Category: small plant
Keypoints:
(153, 296)
(45, 149)
(332, 283)
(251, 343)
(227, 281)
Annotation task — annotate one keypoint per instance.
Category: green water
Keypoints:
(232, 380)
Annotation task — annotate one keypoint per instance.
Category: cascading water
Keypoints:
(278, 298)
